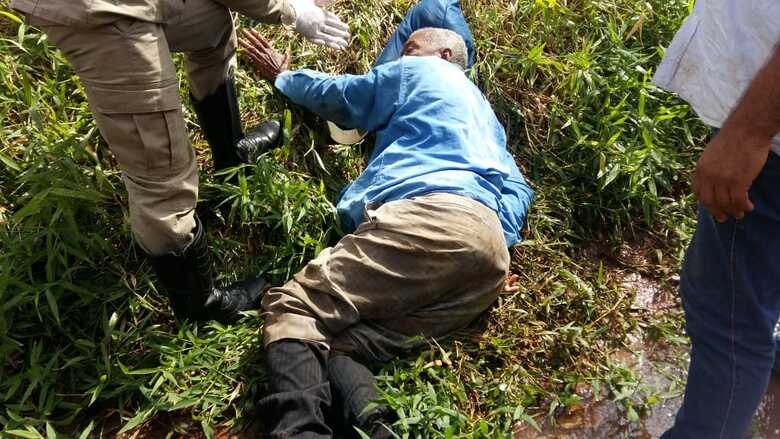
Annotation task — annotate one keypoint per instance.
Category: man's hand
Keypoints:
(726, 170)
(267, 61)
(319, 26)
(735, 157)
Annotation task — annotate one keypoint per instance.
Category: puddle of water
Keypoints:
(659, 367)
(596, 418)
(605, 419)
(649, 295)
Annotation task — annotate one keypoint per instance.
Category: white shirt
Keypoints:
(717, 52)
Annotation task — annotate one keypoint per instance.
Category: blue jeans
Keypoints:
(776, 368)
(730, 287)
(428, 13)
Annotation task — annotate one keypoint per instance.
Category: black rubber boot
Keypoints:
(187, 280)
(221, 123)
(299, 397)
(259, 140)
(353, 387)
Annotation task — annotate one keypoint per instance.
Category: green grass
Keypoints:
(89, 346)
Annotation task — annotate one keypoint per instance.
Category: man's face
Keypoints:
(417, 45)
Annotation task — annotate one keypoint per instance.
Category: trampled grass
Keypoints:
(89, 346)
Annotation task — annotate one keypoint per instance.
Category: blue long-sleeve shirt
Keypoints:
(436, 132)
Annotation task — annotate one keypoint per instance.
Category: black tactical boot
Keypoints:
(187, 280)
(353, 387)
(221, 123)
(259, 140)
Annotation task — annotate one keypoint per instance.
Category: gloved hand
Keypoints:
(318, 26)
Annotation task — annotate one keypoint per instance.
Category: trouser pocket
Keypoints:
(148, 145)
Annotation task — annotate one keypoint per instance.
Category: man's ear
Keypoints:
(446, 54)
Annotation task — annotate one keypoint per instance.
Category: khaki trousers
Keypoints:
(130, 79)
(417, 268)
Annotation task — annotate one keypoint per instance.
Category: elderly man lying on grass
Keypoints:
(431, 218)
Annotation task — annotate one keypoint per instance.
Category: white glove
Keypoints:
(318, 26)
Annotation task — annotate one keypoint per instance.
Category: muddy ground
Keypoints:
(662, 368)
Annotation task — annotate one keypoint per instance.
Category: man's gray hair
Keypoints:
(441, 39)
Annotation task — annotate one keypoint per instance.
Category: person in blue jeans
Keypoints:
(724, 61)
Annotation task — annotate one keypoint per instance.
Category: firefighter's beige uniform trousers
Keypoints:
(121, 51)
(417, 268)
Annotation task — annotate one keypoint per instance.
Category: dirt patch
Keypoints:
(182, 426)
(7, 26)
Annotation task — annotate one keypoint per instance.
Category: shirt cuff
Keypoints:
(282, 79)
